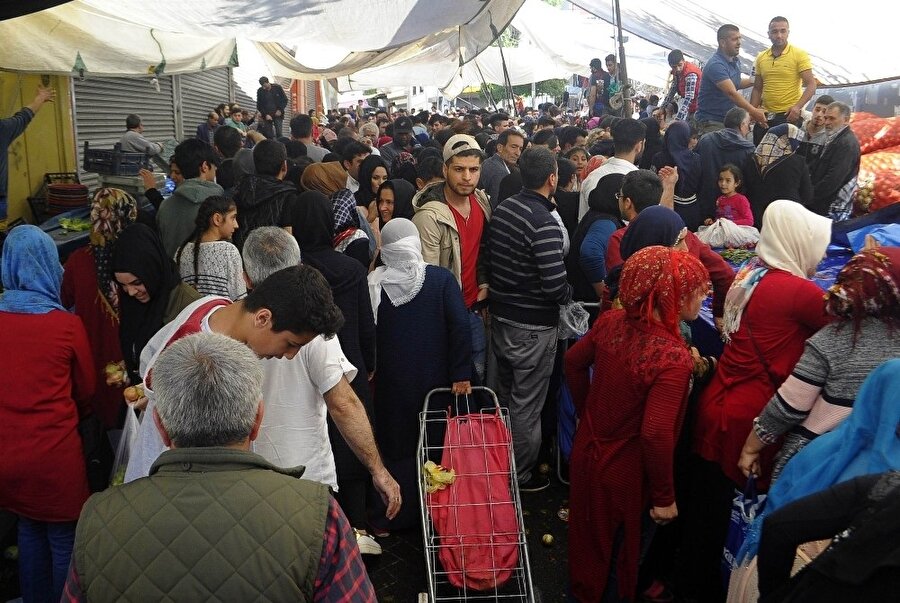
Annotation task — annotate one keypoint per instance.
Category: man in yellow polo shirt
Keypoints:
(784, 80)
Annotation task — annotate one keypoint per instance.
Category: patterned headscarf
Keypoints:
(780, 141)
(661, 279)
(869, 285)
(112, 210)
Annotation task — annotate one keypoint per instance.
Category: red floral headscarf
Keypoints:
(869, 285)
(662, 279)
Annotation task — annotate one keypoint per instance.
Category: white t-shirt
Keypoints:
(294, 429)
(613, 166)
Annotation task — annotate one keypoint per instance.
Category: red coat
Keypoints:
(47, 375)
(80, 292)
(622, 458)
(690, 68)
(784, 311)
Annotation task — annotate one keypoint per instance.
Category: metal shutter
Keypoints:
(285, 84)
(311, 90)
(101, 105)
(201, 93)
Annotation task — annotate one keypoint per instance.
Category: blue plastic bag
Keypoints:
(745, 507)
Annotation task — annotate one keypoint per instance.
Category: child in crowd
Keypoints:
(208, 260)
(732, 204)
(579, 155)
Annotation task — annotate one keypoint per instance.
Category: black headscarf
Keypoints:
(139, 251)
(403, 196)
(365, 195)
(313, 223)
(653, 142)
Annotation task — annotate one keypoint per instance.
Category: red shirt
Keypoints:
(469, 243)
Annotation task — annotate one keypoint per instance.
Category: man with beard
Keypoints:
(815, 132)
(834, 174)
(780, 71)
(528, 284)
(721, 82)
(452, 217)
(402, 140)
(628, 138)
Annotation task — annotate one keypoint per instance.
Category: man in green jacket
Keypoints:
(197, 162)
(214, 521)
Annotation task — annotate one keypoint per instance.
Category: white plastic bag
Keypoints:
(573, 321)
(725, 233)
(125, 447)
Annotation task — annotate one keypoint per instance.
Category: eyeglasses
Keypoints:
(619, 196)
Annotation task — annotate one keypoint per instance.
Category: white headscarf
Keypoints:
(793, 238)
(403, 273)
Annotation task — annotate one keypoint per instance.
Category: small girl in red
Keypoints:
(732, 204)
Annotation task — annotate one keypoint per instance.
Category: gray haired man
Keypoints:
(214, 521)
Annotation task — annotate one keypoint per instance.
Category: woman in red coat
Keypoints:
(630, 414)
(771, 309)
(89, 288)
(48, 376)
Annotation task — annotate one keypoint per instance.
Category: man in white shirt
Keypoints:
(628, 141)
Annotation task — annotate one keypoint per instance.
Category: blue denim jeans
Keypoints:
(479, 344)
(45, 550)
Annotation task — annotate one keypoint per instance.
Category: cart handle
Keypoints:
(475, 388)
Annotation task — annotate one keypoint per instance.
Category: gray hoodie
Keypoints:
(176, 215)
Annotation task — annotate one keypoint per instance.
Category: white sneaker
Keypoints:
(366, 544)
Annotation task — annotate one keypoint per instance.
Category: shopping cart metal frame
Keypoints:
(519, 586)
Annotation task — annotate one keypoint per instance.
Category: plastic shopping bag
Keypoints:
(125, 448)
(725, 233)
(744, 509)
(574, 321)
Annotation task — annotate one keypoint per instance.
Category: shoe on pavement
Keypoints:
(366, 544)
(535, 484)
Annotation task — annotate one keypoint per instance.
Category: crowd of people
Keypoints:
(296, 297)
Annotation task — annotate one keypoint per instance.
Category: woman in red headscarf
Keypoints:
(630, 413)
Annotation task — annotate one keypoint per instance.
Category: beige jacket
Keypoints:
(437, 229)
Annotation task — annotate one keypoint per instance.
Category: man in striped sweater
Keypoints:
(527, 284)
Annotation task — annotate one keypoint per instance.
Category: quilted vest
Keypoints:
(208, 524)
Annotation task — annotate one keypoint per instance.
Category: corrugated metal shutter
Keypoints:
(243, 98)
(201, 93)
(101, 105)
(311, 88)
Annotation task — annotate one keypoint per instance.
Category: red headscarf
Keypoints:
(661, 279)
(593, 163)
(869, 285)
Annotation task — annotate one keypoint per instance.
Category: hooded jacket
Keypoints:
(176, 215)
(437, 229)
(715, 150)
(262, 201)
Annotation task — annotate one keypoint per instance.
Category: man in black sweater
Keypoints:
(271, 102)
(527, 286)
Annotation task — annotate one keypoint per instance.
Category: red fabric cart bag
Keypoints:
(476, 517)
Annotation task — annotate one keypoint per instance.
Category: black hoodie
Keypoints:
(262, 201)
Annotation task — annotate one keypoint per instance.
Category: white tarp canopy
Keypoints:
(849, 44)
(303, 39)
(75, 37)
(427, 42)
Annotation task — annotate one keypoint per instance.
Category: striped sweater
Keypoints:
(525, 251)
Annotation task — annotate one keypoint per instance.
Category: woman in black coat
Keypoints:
(776, 172)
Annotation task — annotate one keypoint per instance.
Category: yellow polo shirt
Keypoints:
(782, 84)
